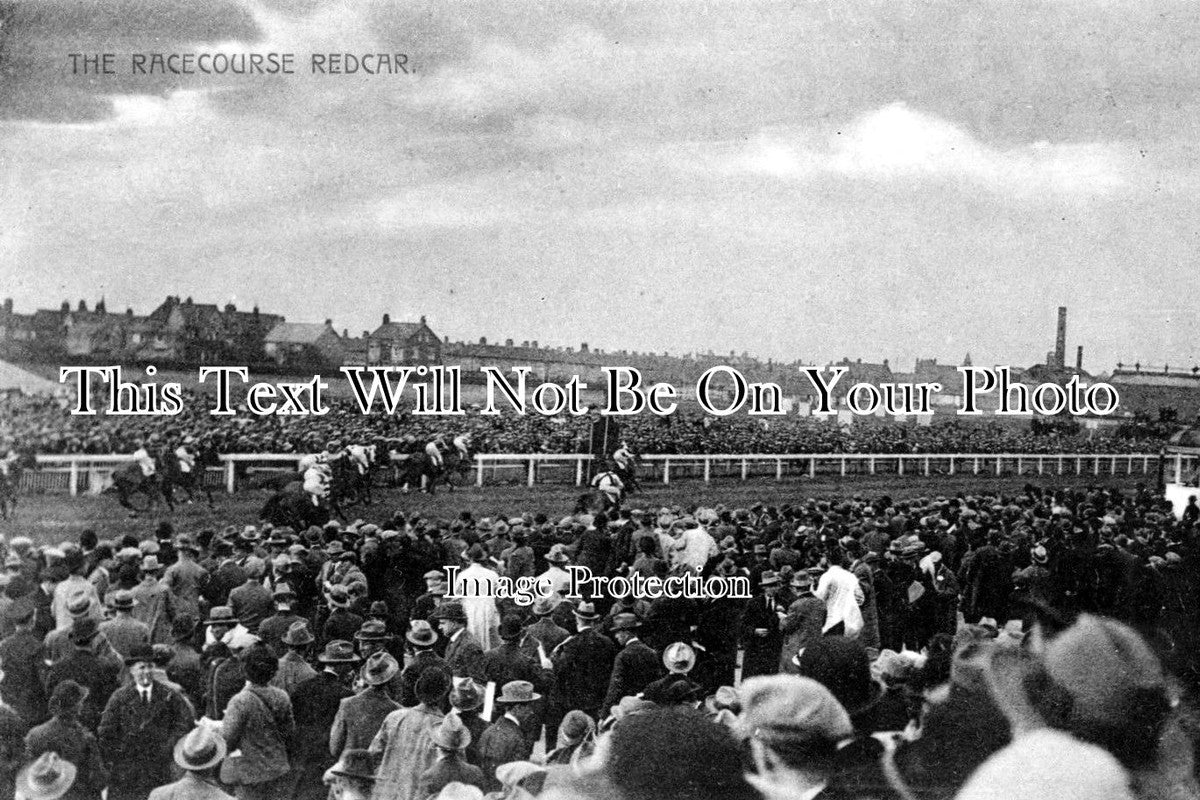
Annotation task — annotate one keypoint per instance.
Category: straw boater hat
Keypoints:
(47, 778)
(679, 657)
(123, 600)
(201, 749)
(515, 692)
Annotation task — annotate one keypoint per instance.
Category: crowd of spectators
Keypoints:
(43, 425)
(1026, 645)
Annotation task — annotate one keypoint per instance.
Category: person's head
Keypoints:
(260, 665)
(200, 751)
(432, 686)
(67, 699)
(141, 665)
(352, 777)
(517, 698)
(451, 618)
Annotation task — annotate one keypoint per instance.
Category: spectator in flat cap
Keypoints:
(124, 632)
(450, 740)
(186, 579)
(252, 602)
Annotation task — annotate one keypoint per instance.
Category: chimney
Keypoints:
(366, 334)
(1079, 358)
(255, 312)
(525, 343)
(483, 340)
(1060, 342)
(66, 307)
(508, 343)
(82, 306)
(533, 344)
(8, 305)
(387, 319)
(583, 348)
(230, 308)
(100, 307)
(188, 302)
(129, 312)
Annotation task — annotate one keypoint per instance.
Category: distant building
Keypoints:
(304, 345)
(403, 343)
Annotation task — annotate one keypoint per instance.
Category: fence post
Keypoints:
(812, 467)
(1041, 465)
(779, 469)
(579, 471)
(976, 466)
(707, 469)
(843, 466)
(74, 480)
(666, 470)
(532, 470)
(1060, 465)
(1145, 465)
(229, 476)
(1020, 466)
(926, 466)
(1114, 465)
(951, 465)
(478, 471)
(1079, 465)
(998, 465)
(743, 469)
(871, 464)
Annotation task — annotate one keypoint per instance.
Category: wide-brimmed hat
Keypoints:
(586, 610)
(625, 622)
(466, 695)
(679, 657)
(200, 749)
(79, 603)
(139, 654)
(380, 668)
(298, 634)
(123, 600)
(339, 597)
(355, 763)
(780, 709)
(421, 633)
(83, 630)
(47, 778)
(339, 651)
(372, 631)
(451, 734)
(769, 579)
(450, 611)
(221, 615)
(151, 564)
(544, 606)
(518, 692)
(557, 555)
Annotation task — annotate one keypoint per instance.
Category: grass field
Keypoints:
(56, 517)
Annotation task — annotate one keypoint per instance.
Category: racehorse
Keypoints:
(420, 470)
(628, 476)
(138, 492)
(174, 477)
(292, 506)
(10, 480)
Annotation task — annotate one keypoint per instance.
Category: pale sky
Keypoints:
(884, 179)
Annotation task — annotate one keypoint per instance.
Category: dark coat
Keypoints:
(315, 704)
(634, 667)
(423, 660)
(583, 666)
(544, 630)
(341, 624)
(464, 656)
(762, 652)
(74, 743)
(21, 655)
(502, 742)
(227, 577)
(138, 740)
(251, 603)
(12, 748)
(99, 676)
(507, 663)
(448, 770)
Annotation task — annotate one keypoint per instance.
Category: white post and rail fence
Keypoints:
(78, 474)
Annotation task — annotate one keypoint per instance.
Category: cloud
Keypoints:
(898, 143)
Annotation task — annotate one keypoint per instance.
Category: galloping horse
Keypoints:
(133, 487)
(420, 470)
(174, 477)
(293, 506)
(10, 479)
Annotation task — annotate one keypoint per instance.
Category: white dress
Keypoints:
(478, 586)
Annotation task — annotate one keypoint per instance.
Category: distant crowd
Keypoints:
(43, 425)
(1038, 644)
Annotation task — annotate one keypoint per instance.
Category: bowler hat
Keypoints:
(465, 696)
(140, 653)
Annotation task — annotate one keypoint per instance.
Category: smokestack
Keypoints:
(1060, 343)
(1079, 359)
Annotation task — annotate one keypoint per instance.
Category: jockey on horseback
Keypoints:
(434, 450)
(11, 457)
(611, 487)
(360, 457)
(316, 482)
(462, 443)
(185, 457)
(624, 457)
(144, 459)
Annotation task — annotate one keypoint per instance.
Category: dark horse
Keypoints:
(173, 477)
(138, 492)
(292, 506)
(10, 481)
(420, 470)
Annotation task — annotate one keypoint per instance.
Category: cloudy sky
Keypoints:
(812, 179)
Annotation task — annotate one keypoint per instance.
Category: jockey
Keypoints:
(609, 485)
(624, 457)
(10, 458)
(462, 443)
(316, 482)
(309, 461)
(186, 458)
(360, 457)
(434, 450)
(144, 459)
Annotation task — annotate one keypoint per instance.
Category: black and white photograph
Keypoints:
(597, 400)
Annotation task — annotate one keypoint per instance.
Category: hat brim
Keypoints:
(217, 757)
(66, 778)
(384, 677)
(324, 659)
(299, 643)
(510, 701)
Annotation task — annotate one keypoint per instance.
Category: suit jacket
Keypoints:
(73, 742)
(293, 671)
(138, 740)
(227, 577)
(464, 656)
(251, 603)
(409, 676)
(259, 722)
(634, 667)
(446, 770)
(583, 666)
(12, 748)
(156, 608)
(546, 632)
(358, 719)
(507, 663)
(502, 742)
(124, 633)
(762, 652)
(21, 655)
(100, 676)
(315, 705)
(801, 627)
